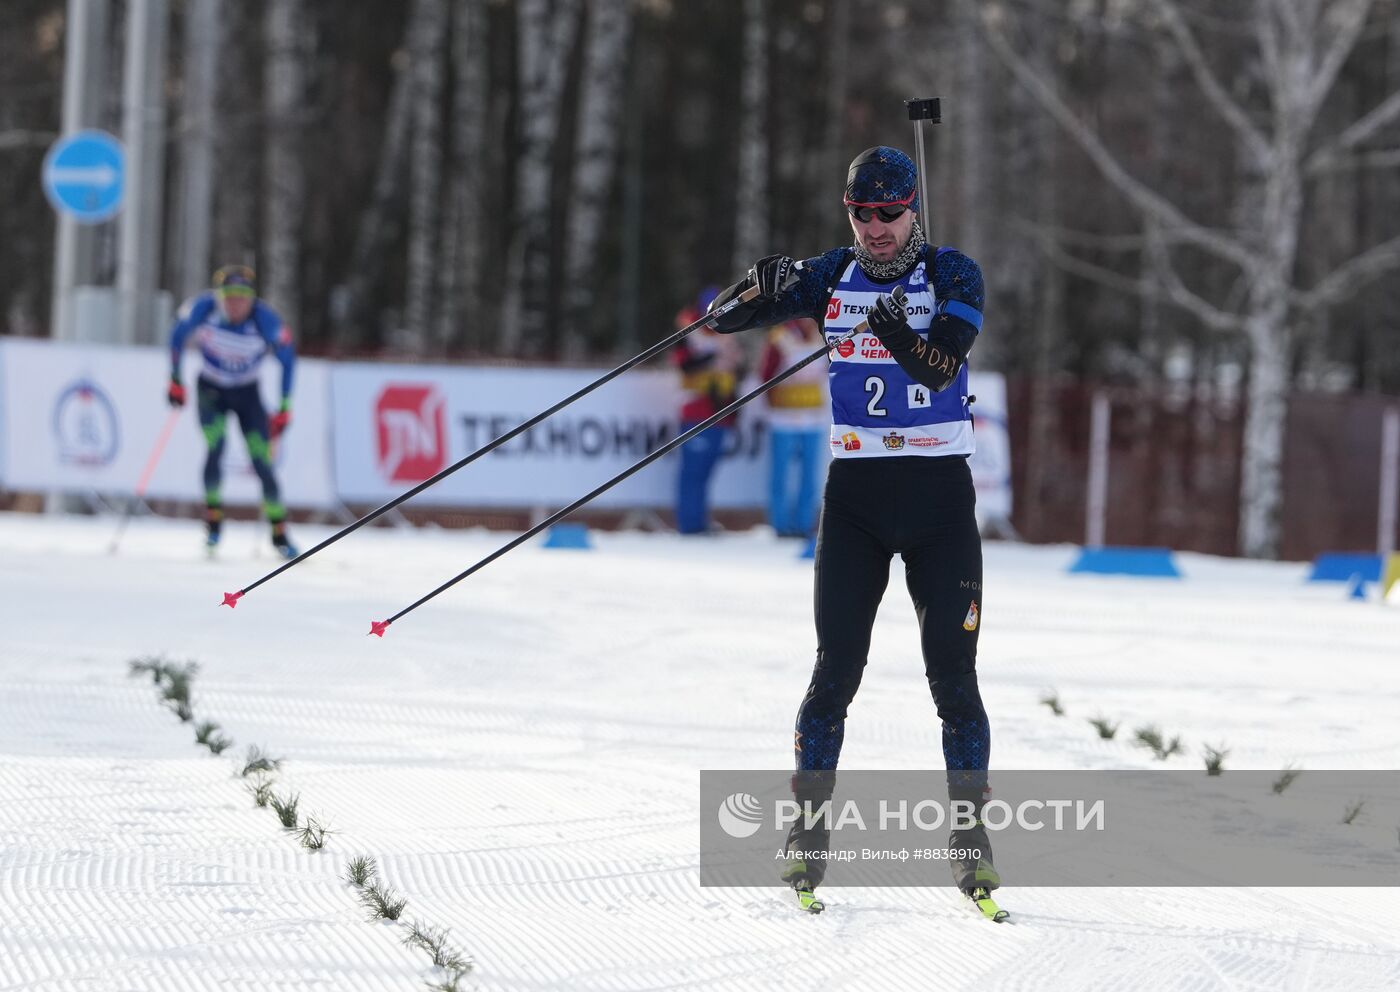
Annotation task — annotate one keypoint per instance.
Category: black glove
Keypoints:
(933, 363)
(175, 395)
(887, 319)
(773, 275)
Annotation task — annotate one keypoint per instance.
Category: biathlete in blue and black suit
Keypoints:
(901, 434)
(235, 330)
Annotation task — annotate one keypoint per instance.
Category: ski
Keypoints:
(807, 898)
(982, 899)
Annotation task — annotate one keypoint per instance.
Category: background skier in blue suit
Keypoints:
(235, 331)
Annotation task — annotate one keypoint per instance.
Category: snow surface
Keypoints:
(521, 757)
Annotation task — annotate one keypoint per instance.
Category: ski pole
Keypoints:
(146, 474)
(231, 598)
(377, 627)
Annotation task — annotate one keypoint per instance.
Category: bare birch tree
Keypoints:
(595, 158)
(969, 122)
(284, 182)
(1300, 47)
(751, 202)
(546, 32)
(1032, 168)
(459, 292)
(379, 221)
(426, 45)
(826, 173)
(237, 195)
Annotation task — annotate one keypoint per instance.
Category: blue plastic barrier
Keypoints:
(1156, 563)
(571, 536)
(1356, 588)
(1340, 566)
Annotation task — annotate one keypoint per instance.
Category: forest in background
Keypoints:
(1159, 191)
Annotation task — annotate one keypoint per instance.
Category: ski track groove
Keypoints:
(526, 777)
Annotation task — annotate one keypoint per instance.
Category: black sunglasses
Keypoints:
(864, 212)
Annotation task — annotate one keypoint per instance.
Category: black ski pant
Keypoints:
(922, 509)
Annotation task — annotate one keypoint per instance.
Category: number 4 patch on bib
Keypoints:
(918, 396)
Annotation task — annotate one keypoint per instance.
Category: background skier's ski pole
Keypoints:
(379, 626)
(232, 598)
(146, 474)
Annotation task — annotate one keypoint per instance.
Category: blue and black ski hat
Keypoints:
(883, 175)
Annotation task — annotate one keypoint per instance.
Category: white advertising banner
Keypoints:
(397, 425)
(991, 464)
(87, 417)
(83, 417)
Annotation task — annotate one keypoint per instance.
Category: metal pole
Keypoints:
(923, 168)
(1097, 508)
(129, 269)
(143, 132)
(1390, 481)
(82, 50)
(923, 112)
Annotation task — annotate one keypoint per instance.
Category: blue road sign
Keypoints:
(84, 174)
